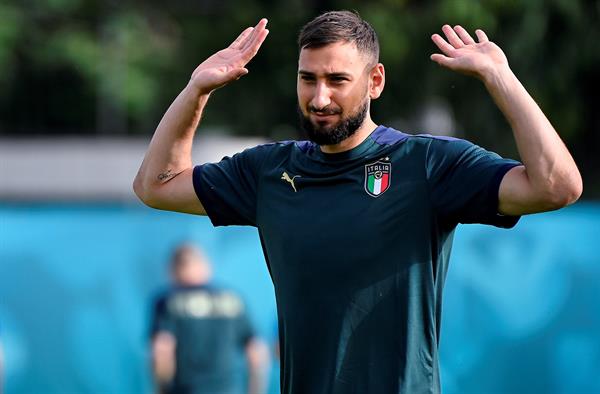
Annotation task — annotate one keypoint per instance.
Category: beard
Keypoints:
(331, 135)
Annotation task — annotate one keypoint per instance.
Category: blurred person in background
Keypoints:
(357, 224)
(198, 331)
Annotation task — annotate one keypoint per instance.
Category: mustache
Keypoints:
(325, 110)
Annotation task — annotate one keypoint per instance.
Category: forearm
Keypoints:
(164, 371)
(257, 355)
(163, 359)
(170, 149)
(549, 167)
(165, 178)
(256, 382)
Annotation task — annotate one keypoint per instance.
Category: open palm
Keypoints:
(229, 64)
(461, 53)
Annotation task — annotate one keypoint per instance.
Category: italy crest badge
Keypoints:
(378, 177)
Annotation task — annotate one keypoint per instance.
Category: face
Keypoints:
(192, 269)
(334, 91)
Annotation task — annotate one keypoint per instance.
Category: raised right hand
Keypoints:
(229, 64)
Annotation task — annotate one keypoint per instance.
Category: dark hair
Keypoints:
(336, 26)
(181, 252)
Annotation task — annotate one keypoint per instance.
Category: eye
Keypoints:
(338, 80)
(307, 78)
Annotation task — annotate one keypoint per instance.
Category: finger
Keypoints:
(481, 36)
(255, 45)
(443, 45)
(251, 51)
(439, 59)
(464, 35)
(443, 61)
(230, 76)
(241, 38)
(452, 37)
(258, 29)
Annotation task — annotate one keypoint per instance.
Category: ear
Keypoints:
(376, 81)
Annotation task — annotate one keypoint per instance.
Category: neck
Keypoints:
(354, 140)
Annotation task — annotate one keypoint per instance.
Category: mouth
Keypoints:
(323, 115)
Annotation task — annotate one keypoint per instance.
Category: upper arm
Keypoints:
(177, 194)
(226, 191)
(518, 196)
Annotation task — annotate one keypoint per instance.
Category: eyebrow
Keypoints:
(327, 75)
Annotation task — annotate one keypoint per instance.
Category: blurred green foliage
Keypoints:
(112, 67)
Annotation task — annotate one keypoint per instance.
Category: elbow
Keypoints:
(576, 189)
(138, 188)
(572, 189)
(565, 193)
(143, 192)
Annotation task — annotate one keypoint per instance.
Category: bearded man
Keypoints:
(356, 224)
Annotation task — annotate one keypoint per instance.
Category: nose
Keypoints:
(322, 97)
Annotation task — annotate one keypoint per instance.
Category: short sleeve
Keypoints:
(228, 189)
(464, 180)
(161, 319)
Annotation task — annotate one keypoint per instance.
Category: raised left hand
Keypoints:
(461, 53)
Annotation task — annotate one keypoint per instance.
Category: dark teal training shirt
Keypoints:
(211, 329)
(357, 244)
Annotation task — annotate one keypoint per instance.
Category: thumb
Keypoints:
(440, 59)
(237, 73)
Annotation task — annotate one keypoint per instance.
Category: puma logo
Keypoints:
(287, 178)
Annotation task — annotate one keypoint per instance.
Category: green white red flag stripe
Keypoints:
(377, 186)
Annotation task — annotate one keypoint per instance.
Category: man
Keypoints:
(197, 331)
(356, 225)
